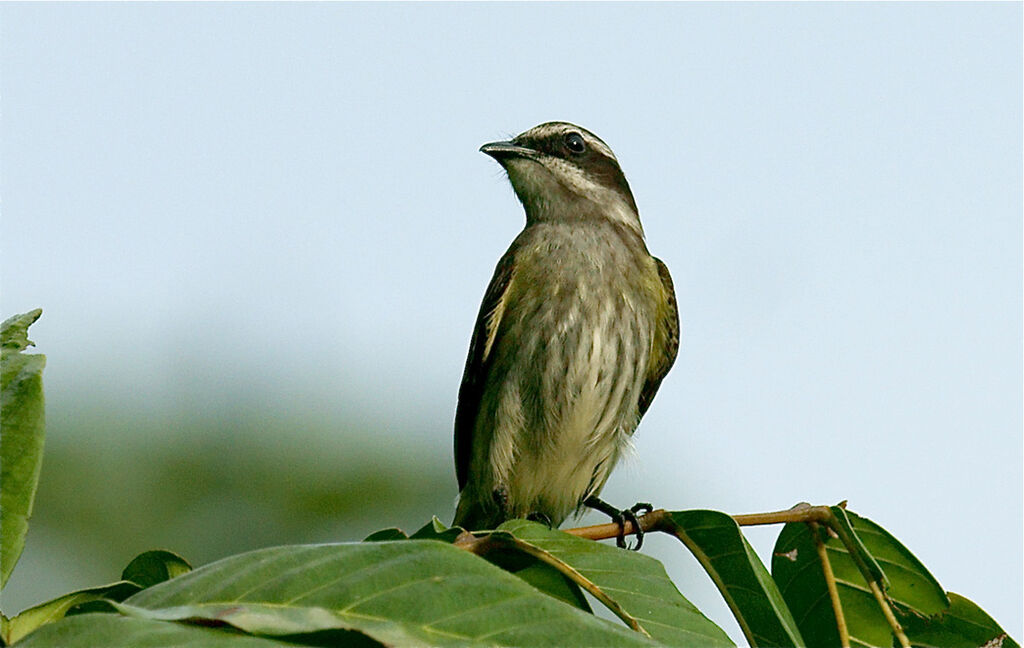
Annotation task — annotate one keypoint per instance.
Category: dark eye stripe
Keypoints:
(554, 143)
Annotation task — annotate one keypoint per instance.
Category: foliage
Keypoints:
(836, 579)
(22, 420)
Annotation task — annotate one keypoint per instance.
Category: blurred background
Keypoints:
(260, 234)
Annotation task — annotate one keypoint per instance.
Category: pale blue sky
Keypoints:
(286, 201)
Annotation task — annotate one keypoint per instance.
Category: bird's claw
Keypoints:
(620, 518)
(630, 515)
(536, 516)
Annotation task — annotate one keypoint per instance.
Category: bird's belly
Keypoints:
(568, 406)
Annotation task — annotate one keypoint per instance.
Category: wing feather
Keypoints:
(666, 340)
(477, 363)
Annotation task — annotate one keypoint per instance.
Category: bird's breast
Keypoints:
(581, 315)
(570, 360)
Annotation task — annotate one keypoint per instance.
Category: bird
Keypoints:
(577, 329)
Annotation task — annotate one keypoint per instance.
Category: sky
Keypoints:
(284, 203)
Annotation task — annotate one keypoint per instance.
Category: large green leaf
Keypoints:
(636, 584)
(715, 540)
(543, 577)
(115, 631)
(909, 583)
(963, 625)
(402, 593)
(146, 569)
(798, 572)
(22, 429)
(34, 617)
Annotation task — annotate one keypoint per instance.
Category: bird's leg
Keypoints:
(619, 517)
(537, 516)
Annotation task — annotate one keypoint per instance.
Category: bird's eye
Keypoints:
(574, 142)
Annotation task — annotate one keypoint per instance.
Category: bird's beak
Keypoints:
(504, 150)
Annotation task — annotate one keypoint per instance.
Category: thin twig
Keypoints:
(830, 584)
(869, 576)
(802, 512)
(897, 629)
(654, 521)
(648, 522)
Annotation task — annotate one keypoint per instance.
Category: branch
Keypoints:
(830, 584)
(655, 521)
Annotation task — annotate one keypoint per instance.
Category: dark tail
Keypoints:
(472, 516)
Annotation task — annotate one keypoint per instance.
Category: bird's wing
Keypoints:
(666, 340)
(474, 376)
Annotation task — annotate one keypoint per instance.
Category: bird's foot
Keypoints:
(620, 517)
(537, 516)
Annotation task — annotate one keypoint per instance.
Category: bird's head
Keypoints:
(563, 172)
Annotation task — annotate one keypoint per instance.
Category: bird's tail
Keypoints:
(471, 515)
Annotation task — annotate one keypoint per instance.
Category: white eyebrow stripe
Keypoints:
(601, 147)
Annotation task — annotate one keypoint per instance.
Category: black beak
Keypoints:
(504, 150)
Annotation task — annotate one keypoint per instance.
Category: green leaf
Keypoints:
(146, 569)
(401, 593)
(798, 573)
(22, 431)
(115, 631)
(14, 331)
(394, 533)
(909, 583)
(552, 582)
(437, 530)
(152, 567)
(540, 575)
(844, 524)
(716, 541)
(636, 583)
(34, 617)
(797, 570)
(963, 625)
